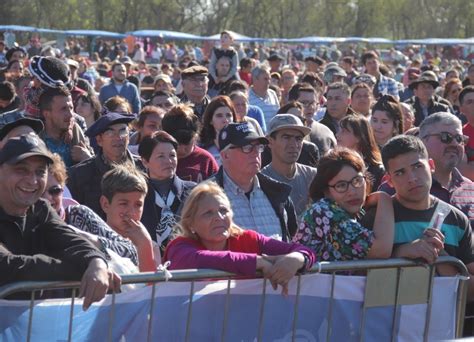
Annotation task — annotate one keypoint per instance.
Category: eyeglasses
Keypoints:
(249, 148)
(55, 190)
(121, 133)
(447, 138)
(342, 186)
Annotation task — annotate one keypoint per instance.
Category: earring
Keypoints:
(192, 231)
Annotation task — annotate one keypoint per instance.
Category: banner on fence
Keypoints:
(315, 314)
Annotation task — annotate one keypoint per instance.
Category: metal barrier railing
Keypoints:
(390, 274)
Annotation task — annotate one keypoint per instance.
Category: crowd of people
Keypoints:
(244, 160)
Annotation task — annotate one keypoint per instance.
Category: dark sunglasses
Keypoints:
(55, 190)
(447, 138)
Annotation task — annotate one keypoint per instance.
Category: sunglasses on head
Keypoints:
(55, 190)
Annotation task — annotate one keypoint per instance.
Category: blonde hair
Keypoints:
(58, 169)
(196, 196)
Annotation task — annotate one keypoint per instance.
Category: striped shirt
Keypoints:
(410, 224)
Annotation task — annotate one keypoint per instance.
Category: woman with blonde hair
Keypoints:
(208, 238)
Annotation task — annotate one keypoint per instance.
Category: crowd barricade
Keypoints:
(397, 299)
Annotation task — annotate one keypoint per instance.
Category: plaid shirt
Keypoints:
(255, 213)
(387, 86)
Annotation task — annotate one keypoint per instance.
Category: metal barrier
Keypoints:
(396, 277)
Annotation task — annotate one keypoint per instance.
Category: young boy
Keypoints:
(123, 195)
(420, 232)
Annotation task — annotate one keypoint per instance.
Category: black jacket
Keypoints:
(152, 213)
(434, 107)
(279, 196)
(43, 249)
(84, 180)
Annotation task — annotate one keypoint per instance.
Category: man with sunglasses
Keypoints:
(259, 202)
(443, 137)
(112, 134)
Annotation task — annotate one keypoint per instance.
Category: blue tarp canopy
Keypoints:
(174, 35)
(165, 34)
(435, 41)
(94, 33)
(19, 28)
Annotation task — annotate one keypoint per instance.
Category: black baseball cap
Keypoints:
(19, 148)
(239, 134)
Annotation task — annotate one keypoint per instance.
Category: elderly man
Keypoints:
(112, 135)
(258, 201)
(195, 83)
(285, 134)
(443, 137)
(34, 242)
(260, 95)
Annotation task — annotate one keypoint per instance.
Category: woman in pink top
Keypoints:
(207, 238)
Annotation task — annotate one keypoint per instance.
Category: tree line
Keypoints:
(393, 19)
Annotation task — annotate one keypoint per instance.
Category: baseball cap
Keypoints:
(19, 148)
(107, 120)
(287, 121)
(239, 134)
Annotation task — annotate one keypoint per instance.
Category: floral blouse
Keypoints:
(332, 233)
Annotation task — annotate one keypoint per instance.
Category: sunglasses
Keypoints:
(55, 190)
(447, 138)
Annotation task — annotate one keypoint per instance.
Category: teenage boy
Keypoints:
(123, 195)
(420, 232)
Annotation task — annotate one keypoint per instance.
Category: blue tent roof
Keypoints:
(20, 28)
(94, 33)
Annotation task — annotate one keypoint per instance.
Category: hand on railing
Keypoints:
(281, 269)
(96, 281)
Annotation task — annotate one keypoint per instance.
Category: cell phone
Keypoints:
(438, 221)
